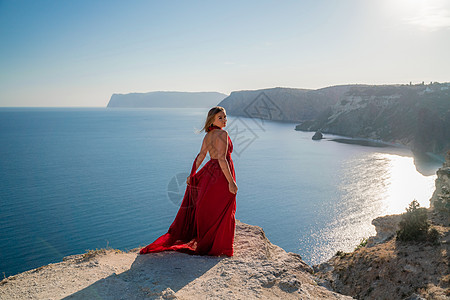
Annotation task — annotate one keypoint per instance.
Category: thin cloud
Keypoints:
(431, 19)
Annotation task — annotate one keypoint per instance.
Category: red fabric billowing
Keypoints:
(205, 222)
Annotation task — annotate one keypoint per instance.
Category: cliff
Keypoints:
(440, 199)
(387, 268)
(283, 104)
(258, 269)
(166, 99)
(417, 116)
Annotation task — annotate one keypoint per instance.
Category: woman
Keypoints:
(205, 222)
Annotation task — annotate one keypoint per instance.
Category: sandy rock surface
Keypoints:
(258, 269)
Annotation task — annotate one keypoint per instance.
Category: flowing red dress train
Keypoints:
(205, 222)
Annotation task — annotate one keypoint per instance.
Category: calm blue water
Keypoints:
(73, 179)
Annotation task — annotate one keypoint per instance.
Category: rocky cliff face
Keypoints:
(441, 196)
(283, 104)
(259, 269)
(417, 116)
(388, 269)
(166, 99)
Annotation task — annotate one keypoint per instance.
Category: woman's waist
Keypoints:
(213, 165)
(228, 157)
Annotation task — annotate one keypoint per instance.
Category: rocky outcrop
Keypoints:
(386, 228)
(258, 269)
(166, 99)
(317, 136)
(441, 196)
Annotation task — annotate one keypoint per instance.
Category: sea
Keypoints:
(77, 179)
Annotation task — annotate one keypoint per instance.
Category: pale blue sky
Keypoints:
(78, 53)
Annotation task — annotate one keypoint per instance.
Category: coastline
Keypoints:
(421, 160)
(364, 142)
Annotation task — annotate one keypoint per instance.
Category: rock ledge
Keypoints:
(259, 269)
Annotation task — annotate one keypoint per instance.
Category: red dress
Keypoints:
(205, 222)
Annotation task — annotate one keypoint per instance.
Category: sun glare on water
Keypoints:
(372, 185)
(405, 184)
(385, 183)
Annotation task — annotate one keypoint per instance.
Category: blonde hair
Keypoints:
(211, 115)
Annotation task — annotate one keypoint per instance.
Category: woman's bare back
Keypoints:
(211, 142)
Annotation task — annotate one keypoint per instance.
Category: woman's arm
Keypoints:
(202, 154)
(221, 145)
(200, 157)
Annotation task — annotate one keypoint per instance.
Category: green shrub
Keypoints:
(363, 243)
(433, 236)
(341, 254)
(414, 224)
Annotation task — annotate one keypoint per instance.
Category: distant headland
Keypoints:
(166, 99)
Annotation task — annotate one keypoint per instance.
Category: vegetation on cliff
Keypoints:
(415, 226)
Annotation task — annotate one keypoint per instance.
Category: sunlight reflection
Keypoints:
(405, 184)
(372, 185)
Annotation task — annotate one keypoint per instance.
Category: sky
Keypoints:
(78, 53)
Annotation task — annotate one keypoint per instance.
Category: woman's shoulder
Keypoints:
(222, 132)
(218, 133)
